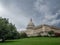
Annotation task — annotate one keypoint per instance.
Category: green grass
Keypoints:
(33, 41)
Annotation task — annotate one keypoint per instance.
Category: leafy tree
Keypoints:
(23, 35)
(7, 30)
(51, 33)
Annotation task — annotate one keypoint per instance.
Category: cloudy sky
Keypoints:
(20, 12)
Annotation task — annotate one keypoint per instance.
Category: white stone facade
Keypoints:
(33, 30)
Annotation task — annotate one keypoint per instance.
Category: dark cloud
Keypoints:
(41, 11)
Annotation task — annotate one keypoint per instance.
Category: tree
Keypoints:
(51, 33)
(23, 35)
(7, 30)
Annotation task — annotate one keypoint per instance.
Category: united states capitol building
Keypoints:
(32, 30)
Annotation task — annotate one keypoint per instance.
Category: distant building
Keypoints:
(32, 30)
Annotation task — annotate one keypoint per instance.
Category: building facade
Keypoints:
(32, 30)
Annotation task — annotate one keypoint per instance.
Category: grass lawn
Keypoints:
(33, 41)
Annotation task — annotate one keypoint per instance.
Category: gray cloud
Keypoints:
(46, 9)
(20, 11)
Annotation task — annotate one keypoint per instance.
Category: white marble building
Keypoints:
(32, 30)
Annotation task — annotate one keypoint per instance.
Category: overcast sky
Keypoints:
(19, 12)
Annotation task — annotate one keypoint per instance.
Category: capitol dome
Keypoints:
(30, 25)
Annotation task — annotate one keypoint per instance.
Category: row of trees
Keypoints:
(49, 34)
(52, 33)
(41, 34)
